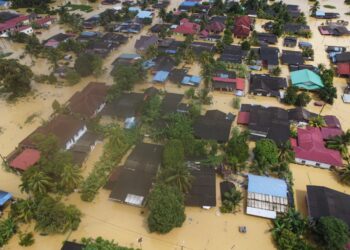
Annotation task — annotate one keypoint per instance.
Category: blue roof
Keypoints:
(161, 76)
(267, 185)
(129, 56)
(191, 80)
(88, 33)
(144, 14)
(188, 4)
(134, 9)
(196, 79)
(320, 13)
(4, 197)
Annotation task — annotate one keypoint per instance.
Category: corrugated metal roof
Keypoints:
(267, 185)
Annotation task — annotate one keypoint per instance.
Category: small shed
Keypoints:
(161, 76)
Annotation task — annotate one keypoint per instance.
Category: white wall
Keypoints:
(76, 137)
(312, 163)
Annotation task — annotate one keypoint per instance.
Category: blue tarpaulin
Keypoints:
(144, 14)
(4, 197)
(191, 80)
(189, 4)
(161, 76)
(267, 185)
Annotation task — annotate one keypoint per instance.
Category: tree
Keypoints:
(291, 95)
(35, 182)
(151, 52)
(317, 121)
(307, 52)
(162, 14)
(15, 78)
(33, 46)
(245, 45)
(23, 210)
(177, 176)
(344, 174)
(26, 240)
(151, 109)
(231, 201)
(276, 71)
(328, 94)
(237, 149)
(7, 229)
(173, 154)
(302, 99)
(204, 97)
(190, 93)
(333, 233)
(70, 178)
(72, 77)
(126, 76)
(167, 210)
(340, 143)
(314, 8)
(101, 244)
(277, 28)
(286, 153)
(227, 38)
(87, 64)
(266, 152)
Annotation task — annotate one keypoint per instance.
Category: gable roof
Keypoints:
(144, 42)
(25, 159)
(323, 201)
(270, 55)
(300, 114)
(187, 28)
(267, 84)
(4, 197)
(267, 185)
(242, 26)
(126, 105)
(87, 101)
(343, 68)
(292, 57)
(306, 79)
(69, 245)
(311, 146)
(267, 38)
(170, 102)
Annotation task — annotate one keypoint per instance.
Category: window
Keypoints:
(318, 164)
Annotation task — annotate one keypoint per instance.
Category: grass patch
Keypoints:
(81, 7)
(328, 6)
(31, 118)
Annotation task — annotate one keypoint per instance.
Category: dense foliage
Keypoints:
(231, 201)
(237, 149)
(266, 152)
(88, 64)
(7, 229)
(166, 209)
(101, 244)
(125, 76)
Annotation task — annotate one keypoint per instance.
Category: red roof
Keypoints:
(44, 20)
(343, 68)
(187, 28)
(26, 159)
(215, 27)
(240, 83)
(243, 118)
(12, 23)
(222, 79)
(242, 26)
(311, 146)
(328, 133)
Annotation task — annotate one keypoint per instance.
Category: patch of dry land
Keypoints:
(203, 229)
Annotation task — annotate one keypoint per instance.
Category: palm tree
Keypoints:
(344, 174)
(36, 183)
(286, 153)
(70, 178)
(23, 210)
(179, 176)
(231, 201)
(314, 7)
(340, 143)
(317, 121)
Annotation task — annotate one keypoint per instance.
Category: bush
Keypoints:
(302, 99)
(245, 45)
(72, 77)
(88, 64)
(7, 229)
(26, 240)
(266, 152)
(236, 102)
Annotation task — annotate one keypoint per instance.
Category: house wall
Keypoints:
(75, 138)
(100, 108)
(312, 163)
(28, 31)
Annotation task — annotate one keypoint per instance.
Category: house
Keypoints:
(159, 27)
(66, 128)
(128, 27)
(293, 10)
(267, 196)
(242, 26)
(125, 106)
(295, 67)
(326, 15)
(232, 54)
(99, 47)
(70, 245)
(300, 115)
(266, 38)
(115, 39)
(334, 30)
(229, 82)
(310, 149)
(126, 59)
(25, 159)
(187, 5)
(269, 57)
(290, 41)
(214, 125)
(87, 36)
(306, 79)
(169, 46)
(14, 24)
(90, 101)
(343, 57)
(346, 95)
(91, 22)
(266, 85)
(204, 35)
(343, 69)
(144, 16)
(215, 27)
(160, 76)
(292, 57)
(296, 28)
(191, 80)
(5, 199)
(44, 22)
(187, 28)
(170, 103)
(132, 183)
(323, 202)
(145, 42)
(163, 63)
(199, 47)
(203, 187)
(177, 75)
(57, 39)
(265, 122)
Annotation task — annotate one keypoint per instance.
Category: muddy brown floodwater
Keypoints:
(203, 229)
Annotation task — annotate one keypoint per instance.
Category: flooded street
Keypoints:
(203, 229)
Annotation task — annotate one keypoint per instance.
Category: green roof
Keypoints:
(306, 79)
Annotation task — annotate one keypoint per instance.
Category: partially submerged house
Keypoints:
(310, 149)
(266, 85)
(132, 182)
(322, 202)
(334, 30)
(242, 26)
(187, 27)
(90, 101)
(125, 106)
(203, 188)
(24, 159)
(227, 81)
(70, 245)
(199, 47)
(300, 115)
(267, 196)
(145, 42)
(266, 38)
(346, 95)
(232, 54)
(170, 103)
(214, 125)
(290, 41)
(5, 199)
(306, 79)
(290, 57)
(269, 57)
(57, 39)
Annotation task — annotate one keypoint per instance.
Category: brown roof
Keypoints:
(87, 101)
(64, 127)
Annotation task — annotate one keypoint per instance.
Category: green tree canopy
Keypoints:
(125, 76)
(266, 152)
(88, 64)
(237, 149)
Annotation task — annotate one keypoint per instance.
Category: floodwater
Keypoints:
(203, 229)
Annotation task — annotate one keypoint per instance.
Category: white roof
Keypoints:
(261, 212)
(134, 199)
(346, 98)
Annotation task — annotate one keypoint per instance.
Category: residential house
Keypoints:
(188, 5)
(293, 10)
(215, 27)
(70, 245)
(266, 85)
(289, 41)
(145, 42)
(170, 103)
(99, 47)
(306, 79)
(346, 95)
(267, 196)
(227, 81)
(144, 16)
(343, 69)
(326, 15)
(325, 202)
(23, 160)
(300, 115)
(5, 199)
(115, 39)
(91, 22)
(126, 59)
(90, 101)
(169, 46)
(296, 28)
(128, 27)
(269, 57)
(310, 149)
(160, 76)
(132, 183)
(66, 128)
(16, 24)
(295, 67)
(232, 54)
(266, 38)
(187, 28)
(292, 57)
(87, 36)
(242, 26)
(199, 47)
(57, 39)
(334, 30)
(214, 125)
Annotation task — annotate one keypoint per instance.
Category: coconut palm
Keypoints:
(344, 174)
(36, 183)
(317, 121)
(178, 176)
(286, 153)
(315, 7)
(231, 201)
(340, 143)
(70, 178)
(7, 228)
(23, 210)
